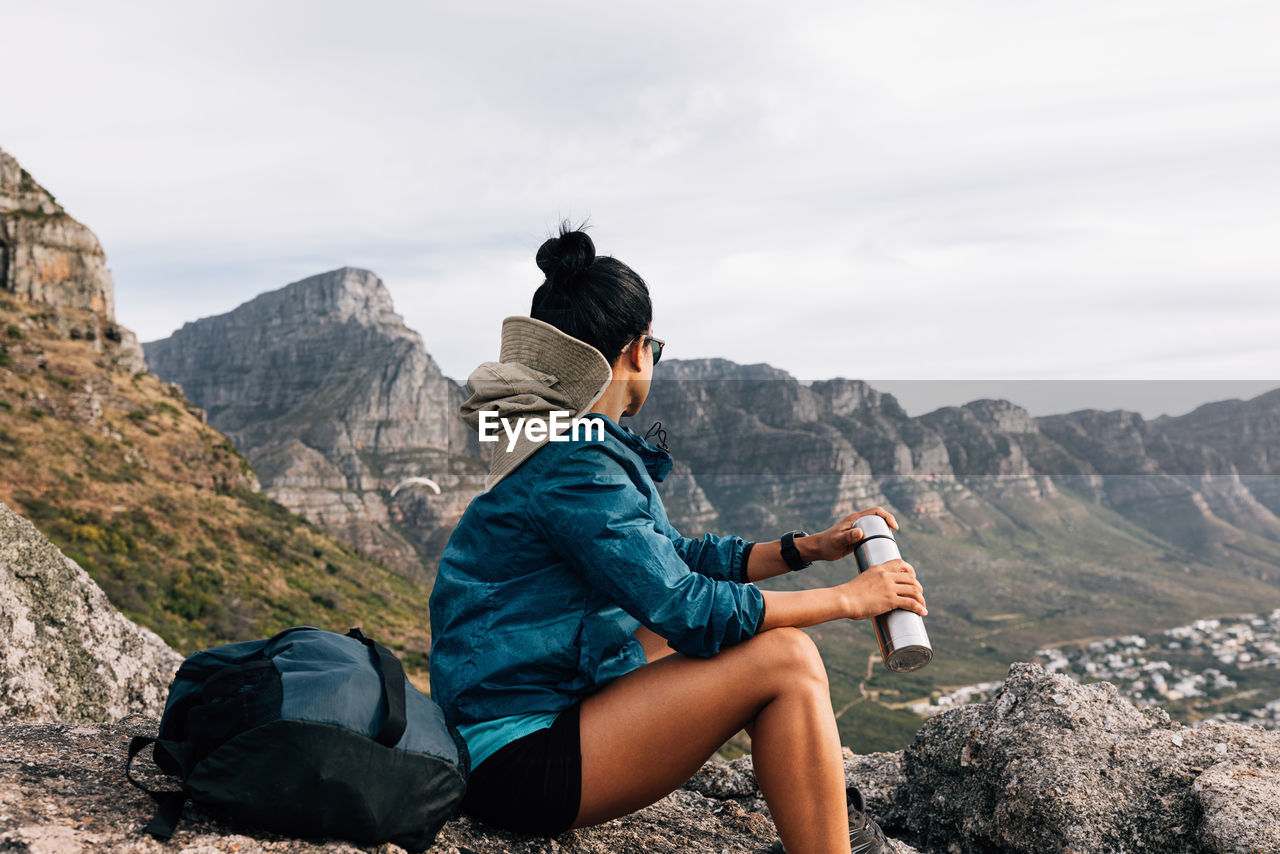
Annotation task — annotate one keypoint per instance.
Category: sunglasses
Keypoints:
(658, 344)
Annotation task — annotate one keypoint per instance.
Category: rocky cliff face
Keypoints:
(759, 444)
(336, 402)
(68, 654)
(48, 258)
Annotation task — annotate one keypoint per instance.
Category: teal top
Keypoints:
(485, 738)
(548, 575)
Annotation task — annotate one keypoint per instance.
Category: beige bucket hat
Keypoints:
(540, 369)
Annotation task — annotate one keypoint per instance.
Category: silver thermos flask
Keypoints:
(904, 644)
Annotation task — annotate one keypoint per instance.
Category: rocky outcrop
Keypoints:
(1049, 765)
(336, 402)
(50, 259)
(68, 654)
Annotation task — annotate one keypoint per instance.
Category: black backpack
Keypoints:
(308, 733)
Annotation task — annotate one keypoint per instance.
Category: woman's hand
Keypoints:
(840, 539)
(882, 588)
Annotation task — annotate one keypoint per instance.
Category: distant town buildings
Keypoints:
(1227, 669)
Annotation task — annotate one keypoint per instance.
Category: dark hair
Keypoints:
(597, 300)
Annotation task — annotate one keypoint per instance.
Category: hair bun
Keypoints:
(566, 256)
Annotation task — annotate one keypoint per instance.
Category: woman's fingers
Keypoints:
(912, 589)
(912, 586)
(891, 585)
(914, 605)
(874, 511)
(898, 565)
(909, 591)
(883, 514)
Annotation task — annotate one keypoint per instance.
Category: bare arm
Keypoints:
(881, 588)
(765, 560)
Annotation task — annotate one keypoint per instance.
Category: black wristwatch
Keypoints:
(791, 554)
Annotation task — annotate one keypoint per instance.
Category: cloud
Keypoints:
(910, 190)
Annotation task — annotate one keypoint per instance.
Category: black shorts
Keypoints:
(534, 784)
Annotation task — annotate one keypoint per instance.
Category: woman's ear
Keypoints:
(634, 356)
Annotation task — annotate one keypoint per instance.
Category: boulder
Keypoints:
(68, 654)
(1050, 765)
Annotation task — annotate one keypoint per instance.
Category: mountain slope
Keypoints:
(120, 471)
(123, 474)
(335, 401)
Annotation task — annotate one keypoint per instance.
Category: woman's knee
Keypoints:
(790, 652)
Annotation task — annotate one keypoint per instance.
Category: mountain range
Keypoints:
(1026, 531)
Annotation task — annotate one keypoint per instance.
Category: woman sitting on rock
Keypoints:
(592, 657)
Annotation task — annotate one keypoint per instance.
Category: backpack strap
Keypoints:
(392, 673)
(168, 804)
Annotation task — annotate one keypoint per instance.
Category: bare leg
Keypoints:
(646, 733)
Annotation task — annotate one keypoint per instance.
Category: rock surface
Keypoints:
(46, 257)
(63, 789)
(336, 402)
(68, 654)
(1049, 765)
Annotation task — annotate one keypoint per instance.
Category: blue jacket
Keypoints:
(548, 575)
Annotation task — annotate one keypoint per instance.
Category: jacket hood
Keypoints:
(540, 369)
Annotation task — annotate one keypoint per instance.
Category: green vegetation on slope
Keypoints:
(123, 475)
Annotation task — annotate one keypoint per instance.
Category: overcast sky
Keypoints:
(907, 191)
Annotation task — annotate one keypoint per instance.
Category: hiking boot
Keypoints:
(865, 836)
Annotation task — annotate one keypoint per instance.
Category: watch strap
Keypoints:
(791, 554)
